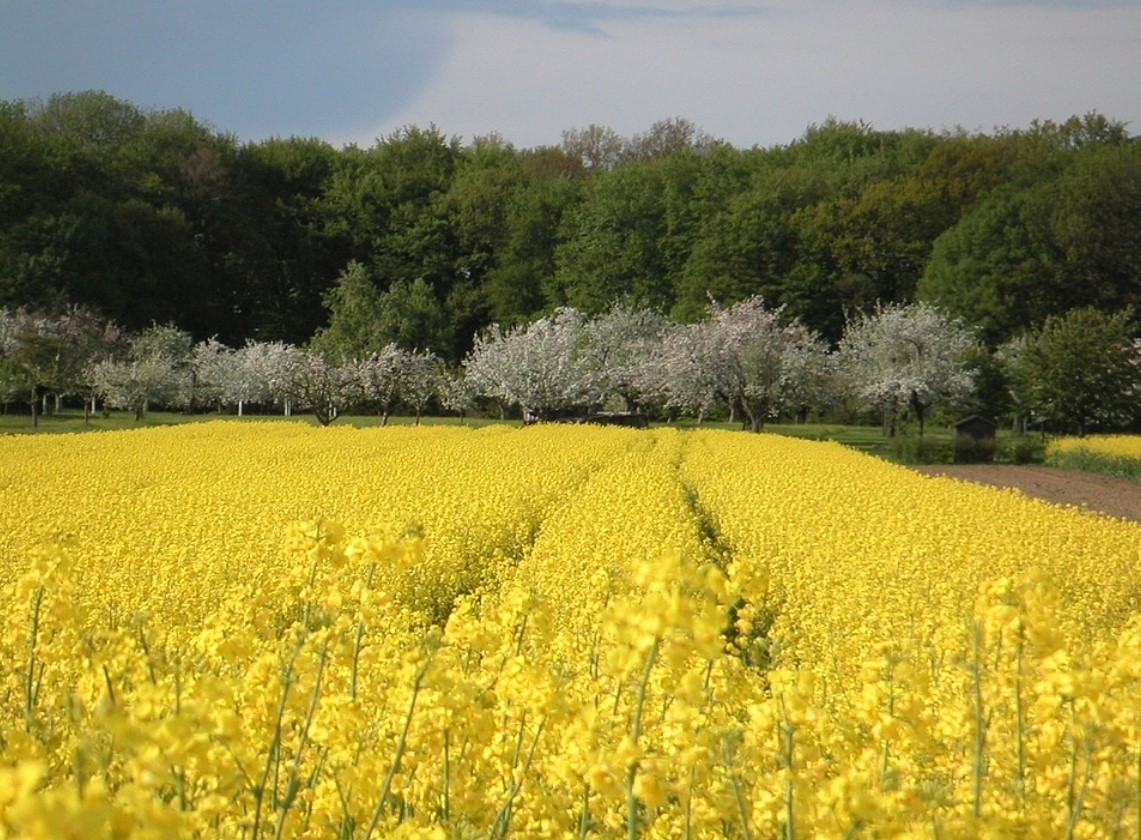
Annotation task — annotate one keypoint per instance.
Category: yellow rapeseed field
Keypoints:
(1111, 446)
(264, 629)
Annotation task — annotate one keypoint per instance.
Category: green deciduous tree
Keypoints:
(995, 268)
(1081, 370)
(354, 330)
(411, 316)
(631, 235)
(1063, 232)
(363, 319)
(279, 239)
(612, 241)
(518, 287)
(750, 244)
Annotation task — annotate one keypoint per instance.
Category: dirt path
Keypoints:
(1114, 496)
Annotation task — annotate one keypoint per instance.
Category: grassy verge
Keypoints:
(937, 446)
(69, 420)
(1115, 466)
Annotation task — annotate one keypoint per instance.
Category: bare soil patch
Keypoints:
(1113, 496)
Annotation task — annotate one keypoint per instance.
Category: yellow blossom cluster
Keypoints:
(551, 632)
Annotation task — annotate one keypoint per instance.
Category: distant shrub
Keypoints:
(906, 449)
(1021, 449)
(969, 450)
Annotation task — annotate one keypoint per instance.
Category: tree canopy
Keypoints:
(1080, 370)
(151, 216)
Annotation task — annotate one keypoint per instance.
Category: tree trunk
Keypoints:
(754, 419)
(920, 410)
(325, 414)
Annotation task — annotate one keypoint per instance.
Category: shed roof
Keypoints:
(975, 420)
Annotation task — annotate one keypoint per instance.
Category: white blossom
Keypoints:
(420, 379)
(542, 368)
(745, 356)
(306, 379)
(906, 356)
(156, 369)
(618, 343)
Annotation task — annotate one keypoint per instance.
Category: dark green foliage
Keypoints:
(1068, 237)
(354, 330)
(908, 449)
(969, 450)
(151, 216)
(364, 319)
(1021, 449)
(1079, 371)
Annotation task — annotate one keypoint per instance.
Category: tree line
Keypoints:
(141, 217)
(1078, 371)
(154, 217)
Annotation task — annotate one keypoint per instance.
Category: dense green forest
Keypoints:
(156, 217)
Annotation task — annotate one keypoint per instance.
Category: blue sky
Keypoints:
(752, 73)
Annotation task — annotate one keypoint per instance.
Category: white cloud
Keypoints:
(761, 79)
(750, 71)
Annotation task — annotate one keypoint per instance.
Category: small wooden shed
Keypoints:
(974, 438)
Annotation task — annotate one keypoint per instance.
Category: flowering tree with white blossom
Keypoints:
(378, 379)
(906, 356)
(156, 369)
(420, 379)
(51, 355)
(307, 379)
(456, 393)
(618, 343)
(229, 377)
(681, 373)
(394, 374)
(765, 364)
(745, 356)
(542, 368)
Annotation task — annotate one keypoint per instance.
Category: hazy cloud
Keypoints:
(750, 71)
(589, 17)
